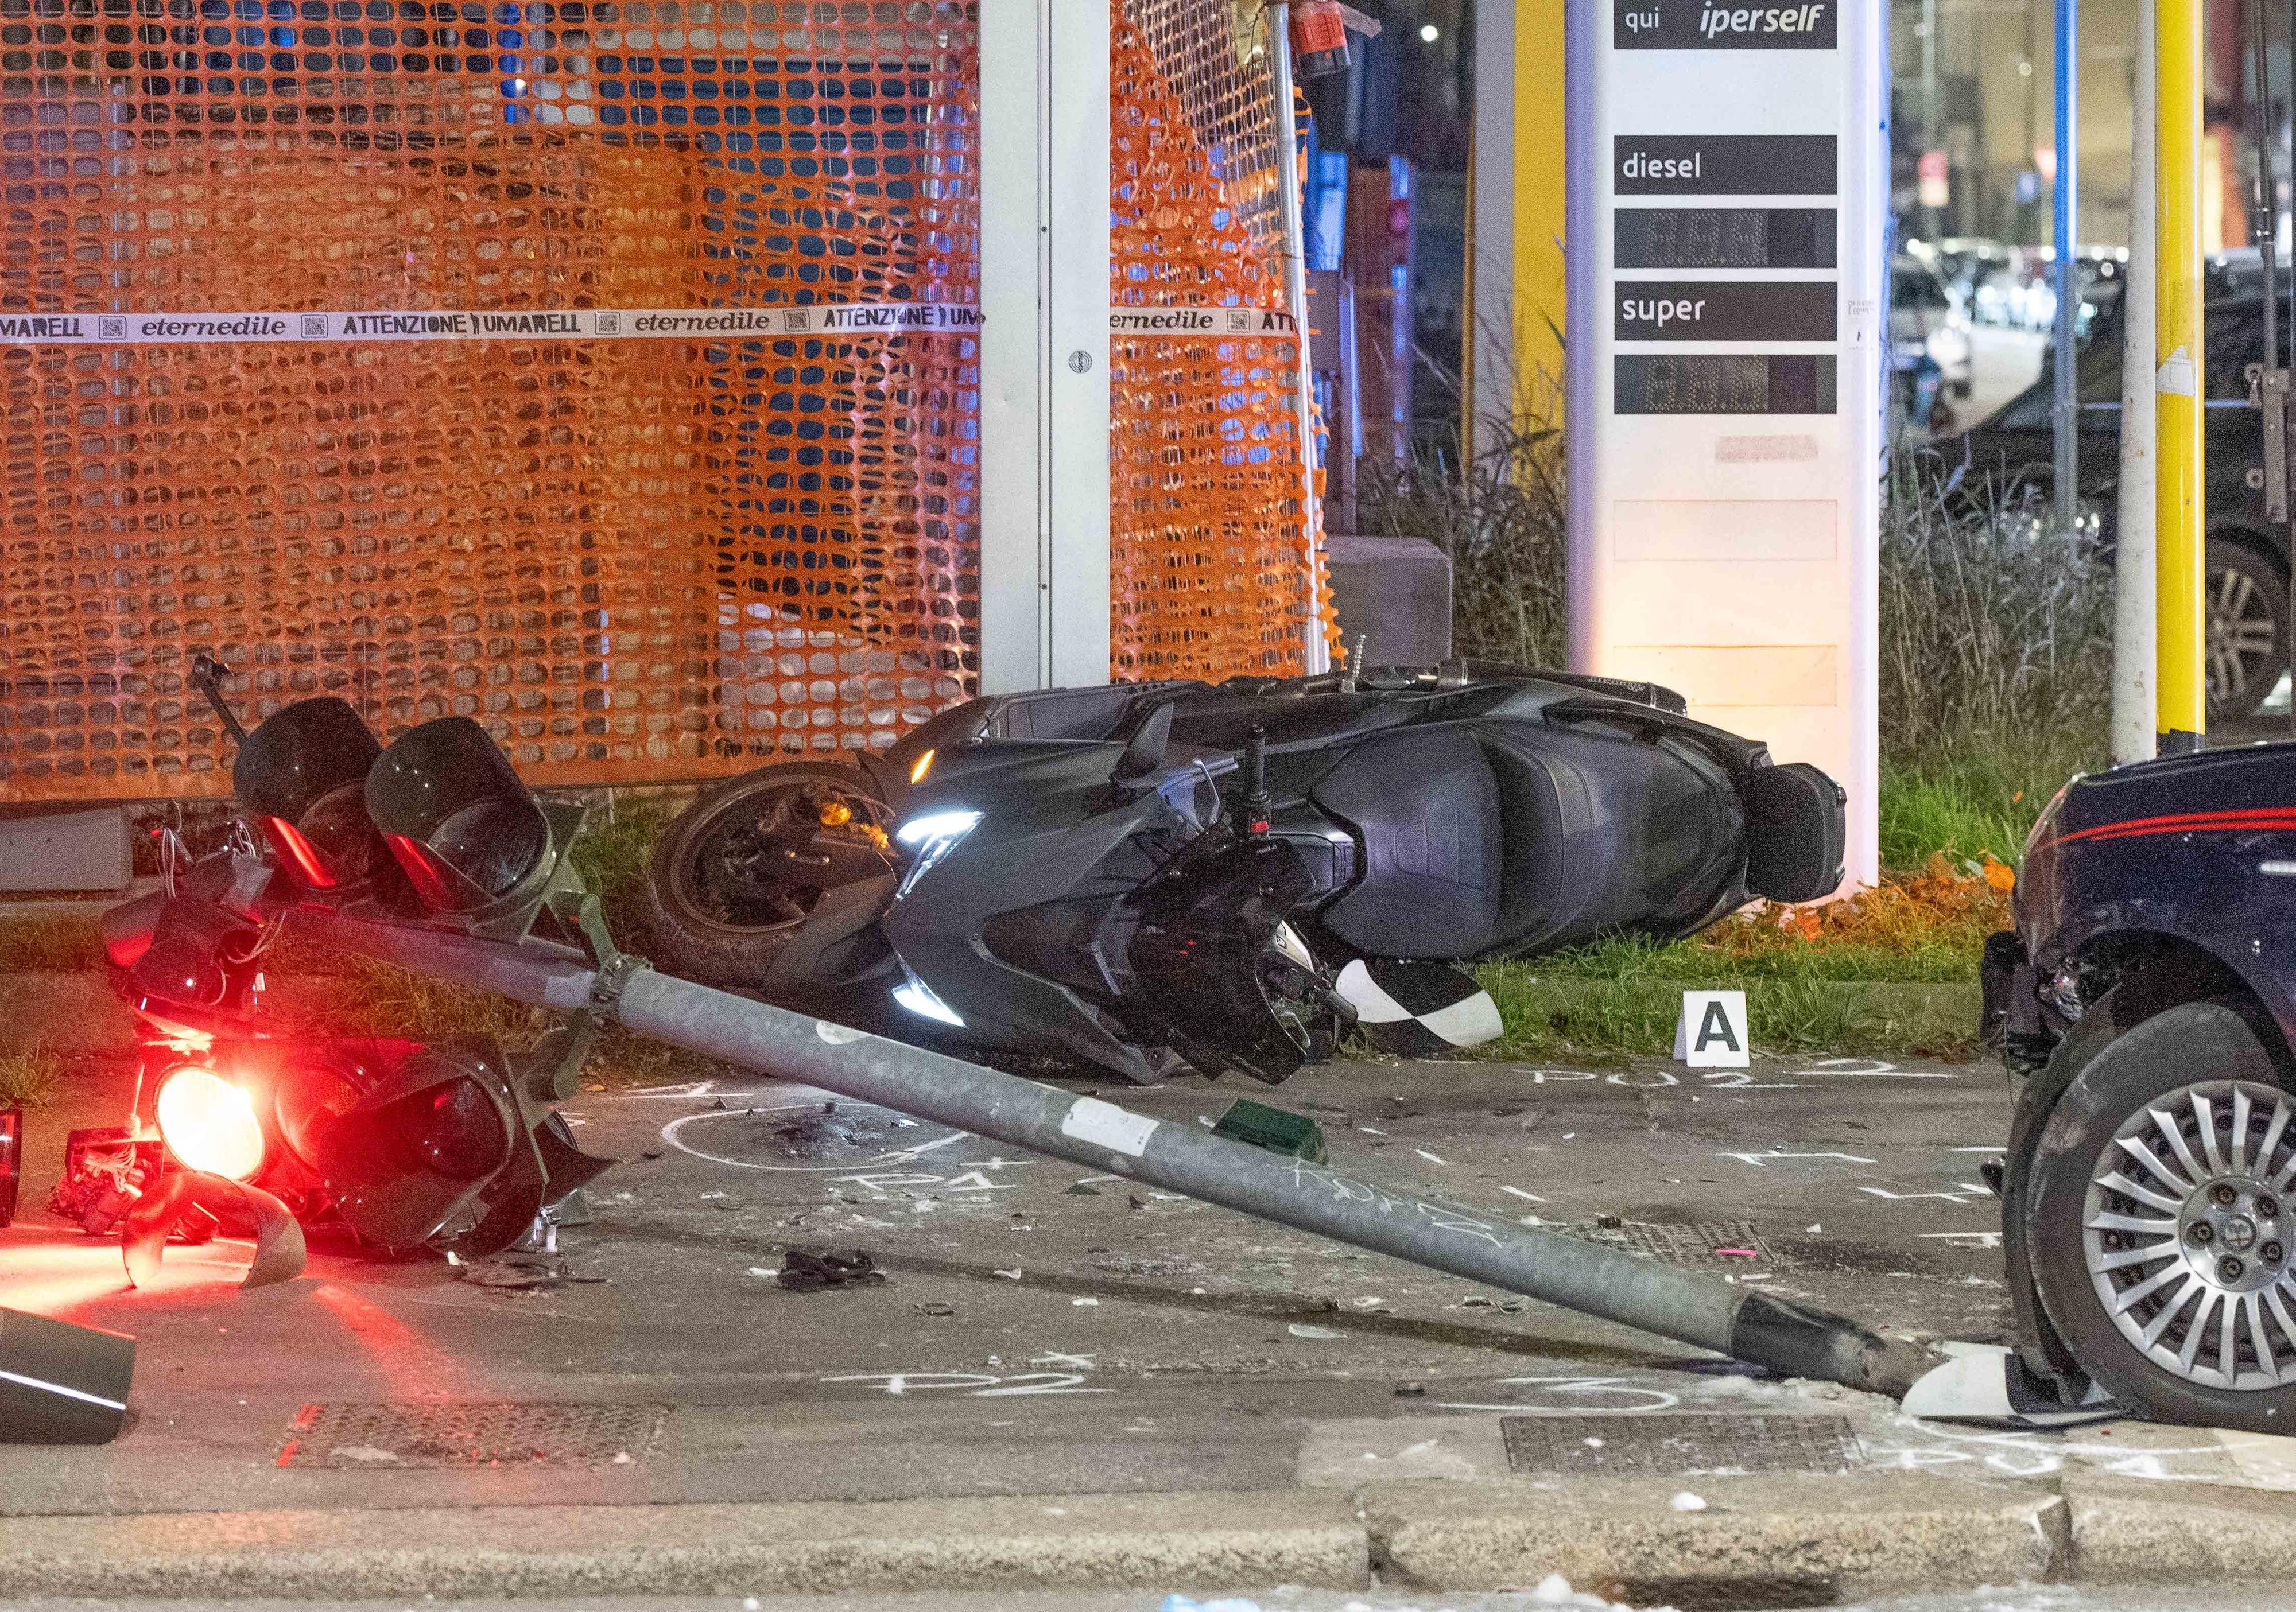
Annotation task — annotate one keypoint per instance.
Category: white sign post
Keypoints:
(1728, 353)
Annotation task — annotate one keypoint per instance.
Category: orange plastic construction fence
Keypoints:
(1208, 542)
(635, 553)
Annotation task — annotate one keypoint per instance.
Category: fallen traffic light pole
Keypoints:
(1550, 1266)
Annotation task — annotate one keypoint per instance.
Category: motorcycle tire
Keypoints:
(2112, 1266)
(735, 876)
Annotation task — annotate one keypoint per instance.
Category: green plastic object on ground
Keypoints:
(1293, 1135)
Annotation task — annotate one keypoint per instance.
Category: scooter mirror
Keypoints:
(472, 838)
(301, 777)
(1145, 753)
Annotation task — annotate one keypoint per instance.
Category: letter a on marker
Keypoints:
(1711, 1033)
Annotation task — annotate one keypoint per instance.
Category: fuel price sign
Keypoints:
(1727, 337)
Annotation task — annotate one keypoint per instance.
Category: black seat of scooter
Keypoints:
(128, 928)
(1548, 811)
(1428, 806)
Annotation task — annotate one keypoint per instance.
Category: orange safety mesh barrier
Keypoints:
(1209, 542)
(632, 558)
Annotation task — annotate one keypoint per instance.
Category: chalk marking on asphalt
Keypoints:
(1430, 1157)
(1962, 1198)
(2024, 1454)
(1874, 1068)
(1743, 1080)
(976, 1385)
(1519, 1192)
(1990, 1147)
(1616, 1388)
(1758, 1160)
(671, 1133)
(1974, 1240)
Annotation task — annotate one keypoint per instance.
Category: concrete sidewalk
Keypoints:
(1759, 1542)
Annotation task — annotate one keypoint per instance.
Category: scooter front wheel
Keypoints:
(736, 875)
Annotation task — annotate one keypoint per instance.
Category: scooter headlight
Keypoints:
(931, 835)
(209, 1124)
(921, 999)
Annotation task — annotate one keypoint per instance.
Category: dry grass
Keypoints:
(61, 943)
(29, 1075)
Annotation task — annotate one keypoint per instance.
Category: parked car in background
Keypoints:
(1923, 323)
(2009, 457)
(1960, 262)
(2019, 291)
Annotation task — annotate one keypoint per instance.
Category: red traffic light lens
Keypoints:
(209, 1124)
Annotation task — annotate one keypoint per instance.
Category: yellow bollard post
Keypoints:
(2178, 388)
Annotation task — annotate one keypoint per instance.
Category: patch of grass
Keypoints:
(29, 1075)
(61, 943)
(617, 841)
(1889, 972)
(363, 997)
(1979, 802)
(1601, 1020)
(612, 853)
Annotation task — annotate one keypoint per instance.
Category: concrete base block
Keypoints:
(1396, 592)
(52, 850)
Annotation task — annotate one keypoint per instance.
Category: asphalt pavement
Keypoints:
(1067, 1379)
(1041, 1329)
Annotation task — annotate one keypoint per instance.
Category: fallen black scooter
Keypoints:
(1161, 875)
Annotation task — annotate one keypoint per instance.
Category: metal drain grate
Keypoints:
(374, 1437)
(1690, 1245)
(1637, 1444)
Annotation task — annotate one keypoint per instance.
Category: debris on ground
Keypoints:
(516, 1273)
(1274, 1130)
(810, 1269)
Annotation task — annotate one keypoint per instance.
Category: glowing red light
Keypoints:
(290, 844)
(209, 1124)
(423, 870)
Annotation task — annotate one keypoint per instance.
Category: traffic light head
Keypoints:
(473, 842)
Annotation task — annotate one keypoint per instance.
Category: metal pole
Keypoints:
(1295, 294)
(2179, 489)
(1930, 109)
(2133, 616)
(2067, 413)
(1547, 1265)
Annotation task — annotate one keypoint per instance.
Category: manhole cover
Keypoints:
(1632, 1445)
(383, 1435)
(1692, 1245)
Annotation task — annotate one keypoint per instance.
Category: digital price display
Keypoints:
(1723, 238)
(1718, 383)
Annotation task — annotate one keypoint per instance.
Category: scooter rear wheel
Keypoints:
(736, 874)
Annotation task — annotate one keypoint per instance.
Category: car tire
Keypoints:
(2247, 624)
(722, 898)
(2132, 1285)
